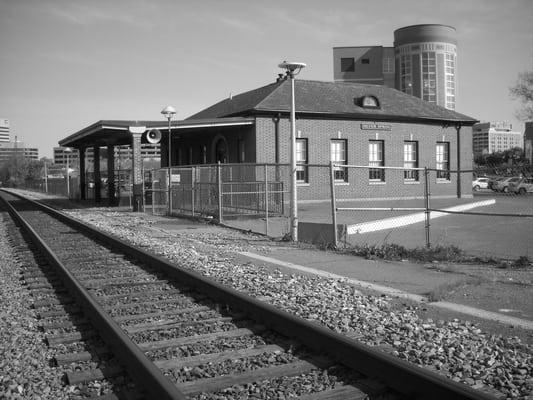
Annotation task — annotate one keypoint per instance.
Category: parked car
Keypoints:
(480, 183)
(493, 180)
(522, 186)
(503, 184)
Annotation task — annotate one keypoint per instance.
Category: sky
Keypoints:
(66, 64)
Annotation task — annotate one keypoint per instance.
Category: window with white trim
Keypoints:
(376, 159)
(338, 155)
(443, 161)
(302, 169)
(410, 160)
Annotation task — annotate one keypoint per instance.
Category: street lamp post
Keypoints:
(68, 150)
(292, 69)
(169, 112)
(45, 178)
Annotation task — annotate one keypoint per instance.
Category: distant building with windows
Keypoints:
(4, 131)
(17, 149)
(10, 149)
(422, 63)
(122, 155)
(493, 137)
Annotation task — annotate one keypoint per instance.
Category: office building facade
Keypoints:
(493, 137)
(422, 63)
(9, 151)
(122, 155)
(4, 132)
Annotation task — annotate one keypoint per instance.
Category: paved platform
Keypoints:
(409, 281)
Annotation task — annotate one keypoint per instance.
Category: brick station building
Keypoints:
(348, 123)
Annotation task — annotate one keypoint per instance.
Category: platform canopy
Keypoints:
(119, 132)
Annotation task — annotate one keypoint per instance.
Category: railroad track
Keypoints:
(164, 332)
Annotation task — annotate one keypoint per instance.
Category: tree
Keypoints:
(512, 156)
(35, 170)
(17, 170)
(523, 91)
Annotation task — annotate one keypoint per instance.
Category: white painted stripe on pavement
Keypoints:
(409, 219)
(475, 312)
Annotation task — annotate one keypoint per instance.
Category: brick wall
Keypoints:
(319, 132)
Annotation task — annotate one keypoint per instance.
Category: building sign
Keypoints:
(176, 178)
(376, 127)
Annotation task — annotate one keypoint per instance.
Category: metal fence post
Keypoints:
(219, 184)
(426, 206)
(152, 178)
(266, 199)
(333, 204)
(193, 175)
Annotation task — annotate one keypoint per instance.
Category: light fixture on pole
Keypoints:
(169, 112)
(292, 69)
(67, 151)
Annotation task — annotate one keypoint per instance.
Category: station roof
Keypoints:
(334, 100)
(118, 132)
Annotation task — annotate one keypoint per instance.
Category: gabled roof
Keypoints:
(334, 100)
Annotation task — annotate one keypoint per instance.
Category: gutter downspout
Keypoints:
(276, 137)
(458, 129)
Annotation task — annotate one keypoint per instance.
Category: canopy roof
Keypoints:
(118, 132)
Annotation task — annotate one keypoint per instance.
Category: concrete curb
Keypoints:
(471, 311)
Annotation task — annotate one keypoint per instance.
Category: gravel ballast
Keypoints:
(455, 348)
(25, 371)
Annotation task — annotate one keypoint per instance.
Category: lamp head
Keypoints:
(293, 68)
(168, 111)
(67, 150)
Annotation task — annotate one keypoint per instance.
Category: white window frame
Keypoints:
(302, 159)
(338, 150)
(442, 161)
(410, 160)
(376, 158)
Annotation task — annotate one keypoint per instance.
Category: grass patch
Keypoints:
(452, 254)
(395, 252)
(440, 292)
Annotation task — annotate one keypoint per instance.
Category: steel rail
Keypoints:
(408, 379)
(147, 376)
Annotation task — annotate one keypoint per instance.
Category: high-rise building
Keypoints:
(422, 62)
(4, 131)
(492, 137)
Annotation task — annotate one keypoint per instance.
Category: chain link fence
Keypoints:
(246, 196)
(438, 208)
(488, 214)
